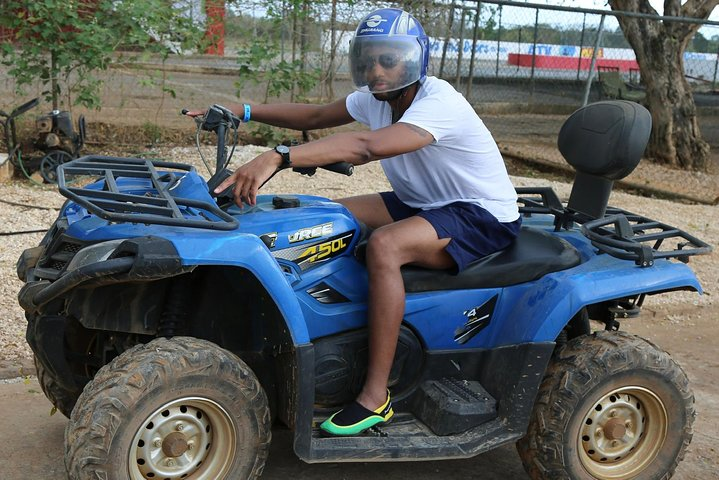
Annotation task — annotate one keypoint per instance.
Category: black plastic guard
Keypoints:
(142, 258)
(512, 374)
(154, 257)
(28, 259)
(46, 335)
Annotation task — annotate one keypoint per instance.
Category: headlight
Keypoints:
(93, 253)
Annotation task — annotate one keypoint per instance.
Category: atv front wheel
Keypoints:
(611, 406)
(179, 408)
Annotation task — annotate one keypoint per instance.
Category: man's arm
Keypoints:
(361, 147)
(298, 116)
(356, 148)
(295, 116)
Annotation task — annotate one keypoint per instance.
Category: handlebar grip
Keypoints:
(345, 168)
(25, 107)
(184, 111)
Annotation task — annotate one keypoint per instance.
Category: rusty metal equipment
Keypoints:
(60, 142)
(54, 137)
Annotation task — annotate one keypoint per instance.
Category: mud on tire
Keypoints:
(173, 408)
(611, 405)
(62, 398)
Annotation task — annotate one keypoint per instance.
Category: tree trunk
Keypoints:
(304, 46)
(330, 77)
(295, 41)
(676, 139)
(54, 88)
(450, 24)
(659, 48)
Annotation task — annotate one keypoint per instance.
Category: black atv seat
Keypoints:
(534, 254)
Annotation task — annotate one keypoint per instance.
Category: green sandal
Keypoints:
(355, 419)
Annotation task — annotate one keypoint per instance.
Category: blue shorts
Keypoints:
(474, 232)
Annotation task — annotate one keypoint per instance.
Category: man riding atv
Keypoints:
(174, 328)
(452, 200)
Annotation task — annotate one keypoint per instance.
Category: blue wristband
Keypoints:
(246, 118)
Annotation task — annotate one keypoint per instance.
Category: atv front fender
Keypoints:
(249, 252)
(143, 258)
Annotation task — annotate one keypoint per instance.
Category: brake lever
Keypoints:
(214, 116)
(309, 171)
(344, 168)
(229, 115)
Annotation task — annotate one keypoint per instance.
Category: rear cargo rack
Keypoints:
(544, 200)
(541, 200)
(619, 233)
(633, 237)
(157, 207)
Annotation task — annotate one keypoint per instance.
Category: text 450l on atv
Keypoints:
(173, 328)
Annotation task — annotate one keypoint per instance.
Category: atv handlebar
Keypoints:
(345, 168)
(218, 118)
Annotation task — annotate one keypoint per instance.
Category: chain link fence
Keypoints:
(524, 67)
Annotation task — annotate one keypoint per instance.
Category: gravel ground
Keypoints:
(15, 354)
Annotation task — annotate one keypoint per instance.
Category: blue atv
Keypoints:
(174, 328)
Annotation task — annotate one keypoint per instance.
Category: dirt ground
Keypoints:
(687, 329)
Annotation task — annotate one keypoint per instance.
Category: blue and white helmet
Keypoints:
(398, 31)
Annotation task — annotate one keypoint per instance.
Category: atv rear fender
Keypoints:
(564, 294)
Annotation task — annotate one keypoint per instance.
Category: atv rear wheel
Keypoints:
(611, 406)
(173, 408)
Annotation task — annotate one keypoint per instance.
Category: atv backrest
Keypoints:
(603, 141)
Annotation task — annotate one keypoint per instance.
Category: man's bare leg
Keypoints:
(368, 209)
(412, 240)
(391, 245)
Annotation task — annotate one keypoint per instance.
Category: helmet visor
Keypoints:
(380, 64)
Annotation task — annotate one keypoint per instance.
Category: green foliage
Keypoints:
(239, 27)
(702, 44)
(260, 64)
(267, 135)
(152, 132)
(262, 60)
(62, 44)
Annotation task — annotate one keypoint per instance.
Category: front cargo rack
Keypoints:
(157, 207)
(633, 237)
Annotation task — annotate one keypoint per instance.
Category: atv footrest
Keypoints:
(449, 405)
(407, 438)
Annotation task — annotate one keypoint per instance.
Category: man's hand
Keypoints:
(250, 177)
(195, 113)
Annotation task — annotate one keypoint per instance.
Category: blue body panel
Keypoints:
(325, 234)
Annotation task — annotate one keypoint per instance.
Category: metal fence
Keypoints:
(523, 66)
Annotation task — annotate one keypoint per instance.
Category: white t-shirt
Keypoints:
(463, 162)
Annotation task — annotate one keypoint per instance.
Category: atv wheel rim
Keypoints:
(190, 438)
(622, 433)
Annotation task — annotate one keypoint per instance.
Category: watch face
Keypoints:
(282, 149)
